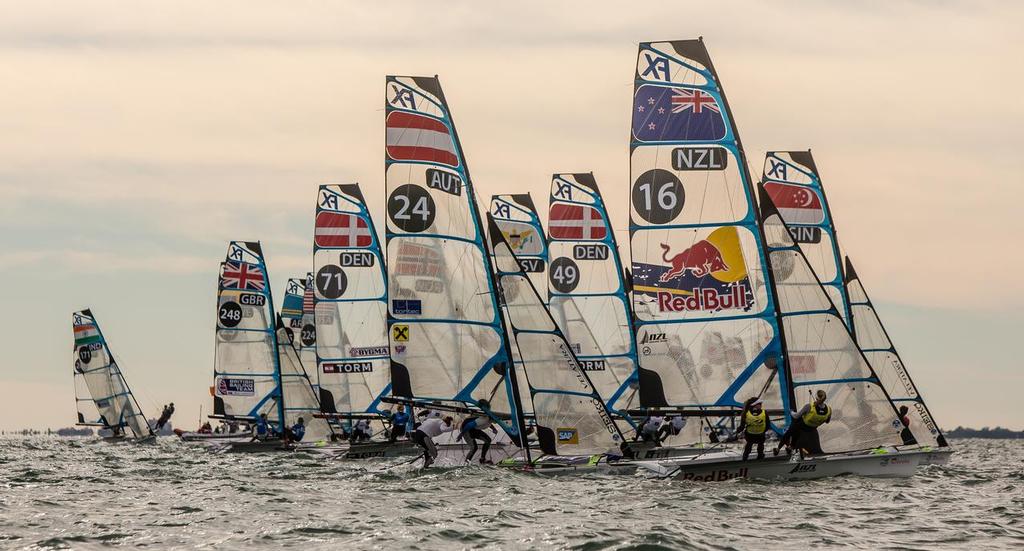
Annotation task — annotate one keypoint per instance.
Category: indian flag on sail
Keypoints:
(86, 334)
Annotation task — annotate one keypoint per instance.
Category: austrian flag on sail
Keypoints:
(576, 222)
(413, 137)
(335, 229)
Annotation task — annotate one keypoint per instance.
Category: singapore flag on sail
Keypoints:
(415, 137)
(796, 204)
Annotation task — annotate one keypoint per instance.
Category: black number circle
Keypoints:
(85, 354)
(564, 275)
(331, 281)
(308, 335)
(411, 208)
(230, 314)
(658, 196)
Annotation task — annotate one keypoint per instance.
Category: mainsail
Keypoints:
(246, 364)
(297, 357)
(448, 342)
(874, 341)
(516, 217)
(587, 289)
(792, 181)
(569, 415)
(108, 402)
(707, 329)
(349, 298)
(821, 354)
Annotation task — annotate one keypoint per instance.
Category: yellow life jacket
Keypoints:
(814, 419)
(757, 423)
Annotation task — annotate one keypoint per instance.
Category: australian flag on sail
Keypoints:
(242, 275)
(664, 113)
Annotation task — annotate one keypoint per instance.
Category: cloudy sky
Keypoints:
(135, 141)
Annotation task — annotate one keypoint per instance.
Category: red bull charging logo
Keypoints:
(708, 275)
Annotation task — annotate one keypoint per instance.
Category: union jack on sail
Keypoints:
(242, 275)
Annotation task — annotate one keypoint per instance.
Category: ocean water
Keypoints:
(81, 494)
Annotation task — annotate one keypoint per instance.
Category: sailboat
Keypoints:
(448, 343)
(723, 301)
(102, 396)
(347, 305)
(792, 180)
(256, 368)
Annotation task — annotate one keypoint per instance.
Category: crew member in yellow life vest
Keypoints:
(753, 424)
(803, 431)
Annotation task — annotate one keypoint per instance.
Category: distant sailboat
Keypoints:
(102, 396)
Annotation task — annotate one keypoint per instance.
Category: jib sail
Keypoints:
(246, 365)
(349, 297)
(820, 351)
(874, 341)
(446, 332)
(569, 415)
(707, 330)
(102, 395)
(587, 289)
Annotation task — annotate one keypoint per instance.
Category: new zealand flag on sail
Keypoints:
(664, 113)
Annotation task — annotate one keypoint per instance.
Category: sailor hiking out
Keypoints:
(473, 429)
(803, 431)
(429, 429)
(649, 430)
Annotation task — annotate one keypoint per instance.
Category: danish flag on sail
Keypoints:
(242, 275)
(335, 229)
(796, 204)
(413, 137)
(575, 222)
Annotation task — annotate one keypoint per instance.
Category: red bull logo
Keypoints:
(705, 299)
(700, 259)
(719, 475)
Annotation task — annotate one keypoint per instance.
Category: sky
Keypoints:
(137, 140)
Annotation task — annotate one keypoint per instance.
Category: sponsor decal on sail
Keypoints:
(236, 386)
(708, 275)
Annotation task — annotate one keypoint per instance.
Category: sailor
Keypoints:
(473, 428)
(399, 423)
(905, 434)
(753, 424)
(803, 431)
(261, 428)
(296, 432)
(425, 433)
(205, 429)
(165, 416)
(673, 427)
(361, 431)
(650, 429)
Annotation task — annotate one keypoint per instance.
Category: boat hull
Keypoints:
(730, 467)
(937, 457)
(212, 438)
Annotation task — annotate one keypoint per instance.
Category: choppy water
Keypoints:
(67, 493)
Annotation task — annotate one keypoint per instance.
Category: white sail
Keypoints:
(246, 370)
(569, 416)
(350, 302)
(821, 354)
(707, 330)
(102, 395)
(298, 360)
(448, 343)
(517, 218)
(587, 289)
